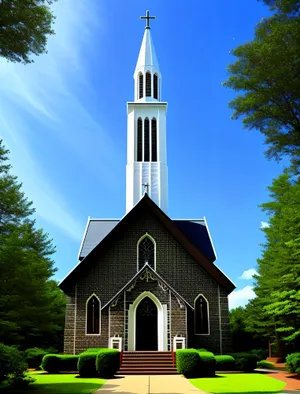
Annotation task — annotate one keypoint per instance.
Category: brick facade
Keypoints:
(110, 270)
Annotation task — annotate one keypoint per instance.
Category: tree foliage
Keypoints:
(31, 305)
(24, 28)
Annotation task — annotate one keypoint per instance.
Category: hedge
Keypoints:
(245, 362)
(34, 356)
(225, 363)
(12, 362)
(188, 362)
(207, 364)
(93, 350)
(107, 363)
(54, 363)
(293, 362)
(87, 364)
(265, 364)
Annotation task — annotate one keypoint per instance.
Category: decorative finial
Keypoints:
(145, 187)
(147, 17)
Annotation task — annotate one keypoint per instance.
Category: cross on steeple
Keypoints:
(147, 17)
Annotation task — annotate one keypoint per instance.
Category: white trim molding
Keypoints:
(100, 315)
(208, 320)
(146, 235)
(162, 341)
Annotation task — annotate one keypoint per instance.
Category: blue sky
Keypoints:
(64, 120)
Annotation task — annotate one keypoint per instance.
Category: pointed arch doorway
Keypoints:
(146, 325)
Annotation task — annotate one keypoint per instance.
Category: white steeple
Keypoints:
(146, 169)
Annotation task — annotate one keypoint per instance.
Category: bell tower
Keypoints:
(146, 170)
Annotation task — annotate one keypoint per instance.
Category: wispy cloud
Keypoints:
(264, 225)
(241, 297)
(47, 94)
(248, 274)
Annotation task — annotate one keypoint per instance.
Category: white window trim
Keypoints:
(138, 243)
(93, 335)
(208, 320)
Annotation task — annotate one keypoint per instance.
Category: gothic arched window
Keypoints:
(155, 86)
(146, 140)
(93, 315)
(201, 315)
(153, 140)
(146, 252)
(141, 85)
(139, 139)
(148, 83)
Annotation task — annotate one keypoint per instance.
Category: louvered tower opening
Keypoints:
(154, 139)
(141, 85)
(148, 84)
(155, 87)
(139, 140)
(146, 140)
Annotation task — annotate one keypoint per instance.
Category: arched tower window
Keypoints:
(146, 252)
(93, 315)
(146, 140)
(148, 84)
(155, 86)
(139, 139)
(141, 85)
(201, 315)
(153, 140)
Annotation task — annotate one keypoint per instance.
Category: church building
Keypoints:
(147, 281)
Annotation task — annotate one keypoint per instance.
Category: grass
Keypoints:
(61, 384)
(239, 383)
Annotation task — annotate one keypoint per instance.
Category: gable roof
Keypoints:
(137, 276)
(186, 243)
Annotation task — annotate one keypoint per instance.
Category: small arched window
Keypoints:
(155, 86)
(153, 140)
(148, 83)
(146, 140)
(141, 85)
(146, 252)
(201, 315)
(139, 139)
(93, 315)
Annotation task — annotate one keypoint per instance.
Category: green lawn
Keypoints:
(239, 383)
(61, 384)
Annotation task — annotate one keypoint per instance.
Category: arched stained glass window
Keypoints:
(148, 84)
(146, 252)
(155, 86)
(93, 315)
(146, 140)
(141, 85)
(201, 315)
(153, 140)
(139, 140)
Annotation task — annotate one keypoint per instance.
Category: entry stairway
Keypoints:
(147, 363)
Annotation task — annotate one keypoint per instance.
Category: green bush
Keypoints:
(12, 362)
(107, 363)
(202, 350)
(34, 356)
(20, 382)
(50, 363)
(265, 364)
(93, 350)
(87, 364)
(54, 363)
(245, 362)
(207, 364)
(188, 362)
(225, 363)
(293, 362)
(262, 354)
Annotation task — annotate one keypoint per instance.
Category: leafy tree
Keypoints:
(266, 76)
(24, 28)
(31, 305)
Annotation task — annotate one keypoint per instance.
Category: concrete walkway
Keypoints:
(149, 384)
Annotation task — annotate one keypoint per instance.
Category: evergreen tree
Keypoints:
(31, 305)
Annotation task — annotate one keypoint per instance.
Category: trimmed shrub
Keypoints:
(188, 362)
(54, 363)
(202, 350)
(293, 362)
(34, 356)
(50, 363)
(87, 364)
(225, 363)
(12, 362)
(245, 361)
(265, 364)
(107, 363)
(207, 364)
(93, 350)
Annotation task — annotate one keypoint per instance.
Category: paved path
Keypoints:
(149, 384)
